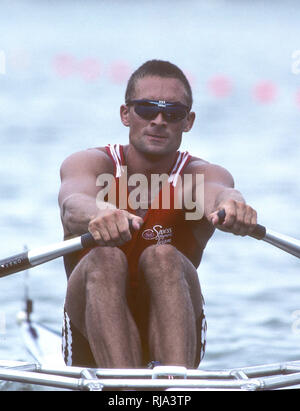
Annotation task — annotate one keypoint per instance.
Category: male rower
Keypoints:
(136, 297)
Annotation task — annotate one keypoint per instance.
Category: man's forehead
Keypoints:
(160, 88)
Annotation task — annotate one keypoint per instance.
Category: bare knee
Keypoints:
(101, 258)
(101, 267)
(162, 262)
(106, 266)
(162, 255)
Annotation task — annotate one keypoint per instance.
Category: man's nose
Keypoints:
(159, 119)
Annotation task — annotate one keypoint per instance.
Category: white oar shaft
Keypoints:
(284, 242)
(43, 254)
(40, 255)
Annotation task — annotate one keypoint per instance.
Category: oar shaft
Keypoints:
(284, 242)
(40, 255)
(18, 262)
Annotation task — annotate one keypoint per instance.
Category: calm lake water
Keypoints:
(64, 67)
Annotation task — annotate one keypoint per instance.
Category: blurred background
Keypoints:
(63, 72)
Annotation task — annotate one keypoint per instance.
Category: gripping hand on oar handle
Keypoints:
(112, 227)
(239, 218)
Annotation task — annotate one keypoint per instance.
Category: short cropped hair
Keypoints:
(158, 68)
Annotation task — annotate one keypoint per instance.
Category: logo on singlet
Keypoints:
(158, 233)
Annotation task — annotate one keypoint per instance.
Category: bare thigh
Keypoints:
(104, 268)
(172, 258)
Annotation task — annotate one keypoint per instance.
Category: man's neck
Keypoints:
(141, 163)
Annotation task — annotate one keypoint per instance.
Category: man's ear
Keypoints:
(124, 113)
(189, 121)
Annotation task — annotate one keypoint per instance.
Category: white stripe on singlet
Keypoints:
(116, 154)
(180, 163)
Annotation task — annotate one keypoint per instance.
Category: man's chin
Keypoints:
(156, 151)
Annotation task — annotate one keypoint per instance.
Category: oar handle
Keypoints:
(88, 241)
(259, 231)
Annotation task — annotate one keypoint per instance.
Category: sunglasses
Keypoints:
(149, 109)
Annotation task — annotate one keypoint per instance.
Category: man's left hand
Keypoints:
(240, 218)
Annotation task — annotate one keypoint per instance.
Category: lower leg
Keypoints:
(173, 334)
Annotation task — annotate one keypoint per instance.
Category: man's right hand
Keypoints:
(111, 227)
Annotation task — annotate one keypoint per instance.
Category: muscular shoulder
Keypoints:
(212, 172)
(91, 161)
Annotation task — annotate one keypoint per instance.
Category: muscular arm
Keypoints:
(219, 193)
(80, 207)
(78, 191)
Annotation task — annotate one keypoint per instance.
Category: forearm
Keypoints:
(219, 193)
(79, 209)
(216, 195)
(76, 212)
(228, 194)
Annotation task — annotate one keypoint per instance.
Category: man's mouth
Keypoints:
(156, 136)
